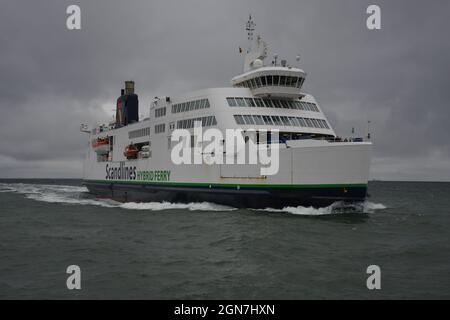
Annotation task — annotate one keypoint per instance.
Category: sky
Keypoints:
(53, 79)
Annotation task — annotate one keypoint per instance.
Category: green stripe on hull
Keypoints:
(235, 185)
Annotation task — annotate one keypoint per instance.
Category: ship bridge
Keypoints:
(275, 80)
(272, 81)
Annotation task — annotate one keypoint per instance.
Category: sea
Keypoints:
(208, 251)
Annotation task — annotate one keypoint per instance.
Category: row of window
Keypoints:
(139, 133)
(189, 123)
(281, 121)
(160, 112)
(268, 81)
(190, 106)
(160, 128)
(272, 103)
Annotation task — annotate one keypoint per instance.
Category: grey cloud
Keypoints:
(53, 79)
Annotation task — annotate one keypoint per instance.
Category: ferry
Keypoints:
(130, 159)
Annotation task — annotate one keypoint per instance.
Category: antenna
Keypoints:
(250, 27)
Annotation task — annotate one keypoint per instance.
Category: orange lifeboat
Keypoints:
(131, 152)
(101, 145)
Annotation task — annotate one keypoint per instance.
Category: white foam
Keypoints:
(371, 206)
(79, 196)
(55, 198)
(305, 211)
(335, 208)
(158, 206)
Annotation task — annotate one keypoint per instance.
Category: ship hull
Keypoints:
(256, 197)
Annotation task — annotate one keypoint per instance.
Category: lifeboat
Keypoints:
(101, 145)
(131, 152)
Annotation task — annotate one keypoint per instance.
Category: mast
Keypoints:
(250, 27)
(257, 50)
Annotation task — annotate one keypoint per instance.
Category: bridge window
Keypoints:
(276, 80)
(258, 82)
(263, 81)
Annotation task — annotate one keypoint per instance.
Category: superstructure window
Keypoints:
(190, 106)
(268, 103)
(160, 112)
(139, 133)
(280, 121)
(239, 119)
(302, 122)
(259, 102)
(272, 103)
(250, 102)
(267, 120)
(248, 119)
(294, 121)
(240, 102)
(160, 128)
(277, 121)
(285, 121)
(258, 120)
(190, 123)
(231, 102)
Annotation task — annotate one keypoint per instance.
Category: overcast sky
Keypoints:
(53, 79)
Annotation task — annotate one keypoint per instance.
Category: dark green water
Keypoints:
(204, 251)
